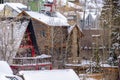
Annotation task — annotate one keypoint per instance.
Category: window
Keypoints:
(43, 33)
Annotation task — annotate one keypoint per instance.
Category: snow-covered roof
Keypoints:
(59, 20)
(92, 2)
(82, 63)
(107, 65)
(65, 74)
(16, 6)
(5, 68)
(72, 27)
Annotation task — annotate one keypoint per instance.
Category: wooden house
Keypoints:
(19, 47)
(50, 33)
(47, 31)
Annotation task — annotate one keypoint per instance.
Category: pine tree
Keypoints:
(112, 20)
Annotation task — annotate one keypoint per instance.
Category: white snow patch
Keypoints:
(43, 56)
(1, 7)
(96, 35)
(67, 74)
(5, 68)
(16, 6)
(52, 21)
(74, 5)
(107, 65)
(71, 28)
(85, 62)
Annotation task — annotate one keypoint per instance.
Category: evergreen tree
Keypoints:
(113, 9)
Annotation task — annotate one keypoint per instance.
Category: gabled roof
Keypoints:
(16, 6)
(62, 74)
(59, 20)
(70, 29)
(13, 41)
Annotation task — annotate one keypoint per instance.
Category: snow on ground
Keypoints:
(52, 21)
(2, 77)
(63, 74)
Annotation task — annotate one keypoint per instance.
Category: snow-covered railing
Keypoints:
(32, 60)
(31, 63)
